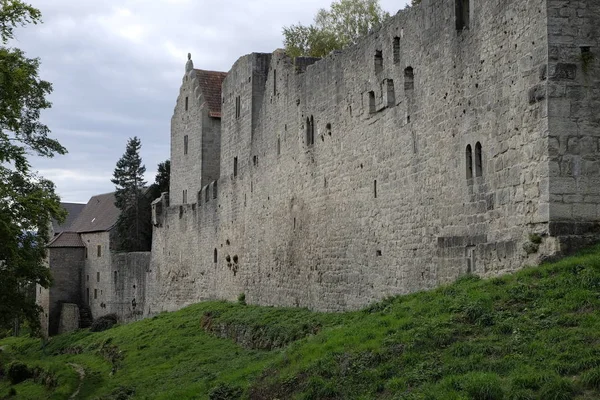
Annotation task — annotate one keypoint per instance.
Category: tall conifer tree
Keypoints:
(133, 226)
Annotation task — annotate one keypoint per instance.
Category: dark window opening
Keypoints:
(99, 251)
(390, 93)
(469, 159)
(95, 293)
(478, 160)
(185, 145)
(379, 253)
(255, 160)
(328, 129)
(310, 131)
(408, 119)
(278, 146)
(294, 223)
(396, 50)
(462, 14)
(186, 104)
(375, 188)
(409, 78)
(238, 107)
(215, 255)
(378, 61)
(235, 169)
(87, 278)
(215, 190)
(274, 82)
(371, 102)
(97, 276)
(115, 277)
(184, 195)
(86, 252)
(207, 194)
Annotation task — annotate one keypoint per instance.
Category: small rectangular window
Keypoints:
(87, 278)
(184, 195)
(462, 14)
(97, 276)
(238, 106)
(95, 293)
(396, 50)
(235, 169)
(371, 102)
(185, 144)
(378, 61)
(86, 252)
(186, 104)
(99, 249)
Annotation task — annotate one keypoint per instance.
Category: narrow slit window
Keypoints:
(215, 190)
(184, 196)
(278, 146)
(99, 250)
(371, 102)
(478, 160)
(235, 167)
(186, 103)
(378, 61)
(390, 93)
(274, 82)
(409, 78)
(312, 130)
(396, 50)
(375, 188)
(463, 10)
(207, 194)
(115, 277)
(215, 256)
(185, 145)
(97, 276)
(469, 160)
(95, 293)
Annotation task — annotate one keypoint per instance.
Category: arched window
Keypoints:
(215, 256)
(469, 159)
(478, 160)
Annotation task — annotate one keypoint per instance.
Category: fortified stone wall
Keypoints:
(574, 137)
(66, 266)
(417, 155)
(129, 282)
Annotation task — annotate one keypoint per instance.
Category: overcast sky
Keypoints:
(116, 67)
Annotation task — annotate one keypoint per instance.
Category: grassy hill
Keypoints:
(531, 335)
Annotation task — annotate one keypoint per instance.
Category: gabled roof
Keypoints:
(100, 214)
(73, 210)
(210, 85)
(66, 239)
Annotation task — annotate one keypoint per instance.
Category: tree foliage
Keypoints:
(27, 201)
(343, 24)
(162, 180)
(133, 226)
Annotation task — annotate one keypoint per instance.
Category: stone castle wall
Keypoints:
(574, 136)
(348, 180)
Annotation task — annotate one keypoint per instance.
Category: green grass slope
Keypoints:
(531, 335)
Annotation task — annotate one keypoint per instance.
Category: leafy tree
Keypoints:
(162, 180)
(27, 201)
(133, 226)
(342, 25)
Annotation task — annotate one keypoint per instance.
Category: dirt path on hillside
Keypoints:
(81, 373)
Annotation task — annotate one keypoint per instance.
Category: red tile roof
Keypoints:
(210, 85)
(100, 214)
(66, 239)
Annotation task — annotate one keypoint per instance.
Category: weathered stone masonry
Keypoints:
(446, 142)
